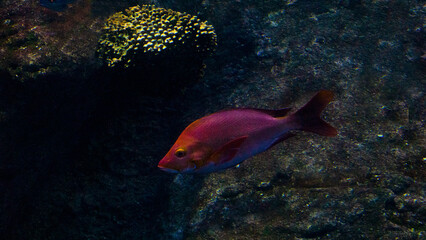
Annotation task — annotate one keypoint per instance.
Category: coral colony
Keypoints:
(150, 30)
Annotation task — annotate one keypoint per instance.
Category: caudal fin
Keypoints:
(308, 117)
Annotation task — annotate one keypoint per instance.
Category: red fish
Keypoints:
(224, 139)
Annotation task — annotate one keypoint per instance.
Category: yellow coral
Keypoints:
(155, 30)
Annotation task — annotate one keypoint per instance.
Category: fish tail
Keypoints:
(308, 117)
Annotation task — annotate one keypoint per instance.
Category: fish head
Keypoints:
(185, 156)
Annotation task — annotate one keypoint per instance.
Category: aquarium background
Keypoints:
(80, 142)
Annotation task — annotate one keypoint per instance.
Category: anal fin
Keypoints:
(282, 138)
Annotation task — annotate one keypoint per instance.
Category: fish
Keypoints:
(226, 138)
(56, 5)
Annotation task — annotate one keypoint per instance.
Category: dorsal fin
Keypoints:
(273, 112)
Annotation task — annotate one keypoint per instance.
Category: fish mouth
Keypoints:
(166, 169)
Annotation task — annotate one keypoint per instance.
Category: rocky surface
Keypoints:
(78, 149)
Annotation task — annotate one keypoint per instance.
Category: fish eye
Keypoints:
(180, 153)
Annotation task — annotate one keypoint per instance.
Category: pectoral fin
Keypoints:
(228, 151)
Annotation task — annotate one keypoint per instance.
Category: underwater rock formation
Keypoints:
(36, 41)
(149, 48)
(147, 30)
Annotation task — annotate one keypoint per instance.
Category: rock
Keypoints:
(79, 143)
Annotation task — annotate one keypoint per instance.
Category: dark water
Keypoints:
(56, 5)
(80, 141)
